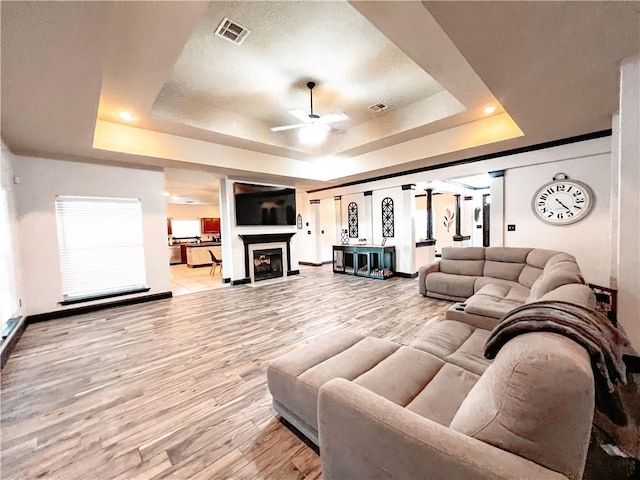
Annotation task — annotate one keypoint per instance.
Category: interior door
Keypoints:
(486, 209)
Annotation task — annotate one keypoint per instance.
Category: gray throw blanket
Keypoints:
(616, 399)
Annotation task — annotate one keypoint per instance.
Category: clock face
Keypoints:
(562, 202)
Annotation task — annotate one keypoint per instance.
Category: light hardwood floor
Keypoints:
(185, 280)
(176, 388)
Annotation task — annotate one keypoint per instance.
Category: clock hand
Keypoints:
(562, 204)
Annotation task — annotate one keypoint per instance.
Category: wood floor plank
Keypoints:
(177, 388)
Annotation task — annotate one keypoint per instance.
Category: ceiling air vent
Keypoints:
(232, 31)
(378, 107)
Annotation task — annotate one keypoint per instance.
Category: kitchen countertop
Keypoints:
(204, 244)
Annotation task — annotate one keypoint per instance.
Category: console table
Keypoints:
(373, 261)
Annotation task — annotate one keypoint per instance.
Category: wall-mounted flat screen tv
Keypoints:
(264, 205)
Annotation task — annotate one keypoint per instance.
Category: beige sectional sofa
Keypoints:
(437, 408)
(492, 281)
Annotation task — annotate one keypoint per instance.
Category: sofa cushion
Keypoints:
(462, 267)
(482, 282)
(572, 293)
(488, 306)
(553, 279)
(466, 253)
(443, 338)
(295, 378)
(529, 275)
(561, 260)
(402, 375)
(451, 285)
(507, 254)
(532, 401)
(512, 292)
(470, 355)
(455, 342)
(538, 257)
(452, 383)
(504, 270)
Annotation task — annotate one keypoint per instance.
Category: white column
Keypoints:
(226, 222)
(628, 279)
(337, 200)
(406, 243)
(496, 218)
(366, 218)
(615, 201)
(316, 240)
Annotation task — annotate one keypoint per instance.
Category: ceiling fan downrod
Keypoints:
(310, 86)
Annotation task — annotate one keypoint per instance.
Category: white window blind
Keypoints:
(101, 246)
(8, 302)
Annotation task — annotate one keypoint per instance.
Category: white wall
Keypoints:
(364, 219)
(328, 226)
(589, 239)
(10, 288)
(304, 238)
(41, 180)
(232, 244)
(193, 211)
(626, 155)
(396, 195)
(441, 203)
(476, 233)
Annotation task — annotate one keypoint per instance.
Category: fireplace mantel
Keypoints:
(265, 238)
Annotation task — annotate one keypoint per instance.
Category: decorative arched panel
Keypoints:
(352, 211)
(387, 217)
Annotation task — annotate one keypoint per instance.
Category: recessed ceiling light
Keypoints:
(126, 116)
(166, 194)
(174, 197)
(489, 110)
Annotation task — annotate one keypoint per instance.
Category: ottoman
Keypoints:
(410, 376)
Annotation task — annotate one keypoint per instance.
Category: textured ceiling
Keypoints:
(69, 68)
(215, 82)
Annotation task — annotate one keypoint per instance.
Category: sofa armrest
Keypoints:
(422, 275)
(363, 435)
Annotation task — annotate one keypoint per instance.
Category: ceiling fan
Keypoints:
(311, 118)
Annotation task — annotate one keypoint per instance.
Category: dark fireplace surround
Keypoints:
(265, 238)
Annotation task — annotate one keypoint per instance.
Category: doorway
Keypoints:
(486, 210)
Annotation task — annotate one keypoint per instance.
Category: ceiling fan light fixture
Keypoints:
(313, 134)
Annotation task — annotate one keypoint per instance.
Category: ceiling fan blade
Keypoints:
(288, 127)
(333, 117)
(300, 115)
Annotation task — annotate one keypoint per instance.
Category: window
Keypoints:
(101, 247)
(8, 302)
(352, 212)
(185, 228)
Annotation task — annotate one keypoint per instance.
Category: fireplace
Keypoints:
(276, 250)
(267, 263)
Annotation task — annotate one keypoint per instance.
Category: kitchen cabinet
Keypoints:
(210, 225)
(169, 226)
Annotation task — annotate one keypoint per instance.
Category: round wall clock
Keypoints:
(562, 201)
